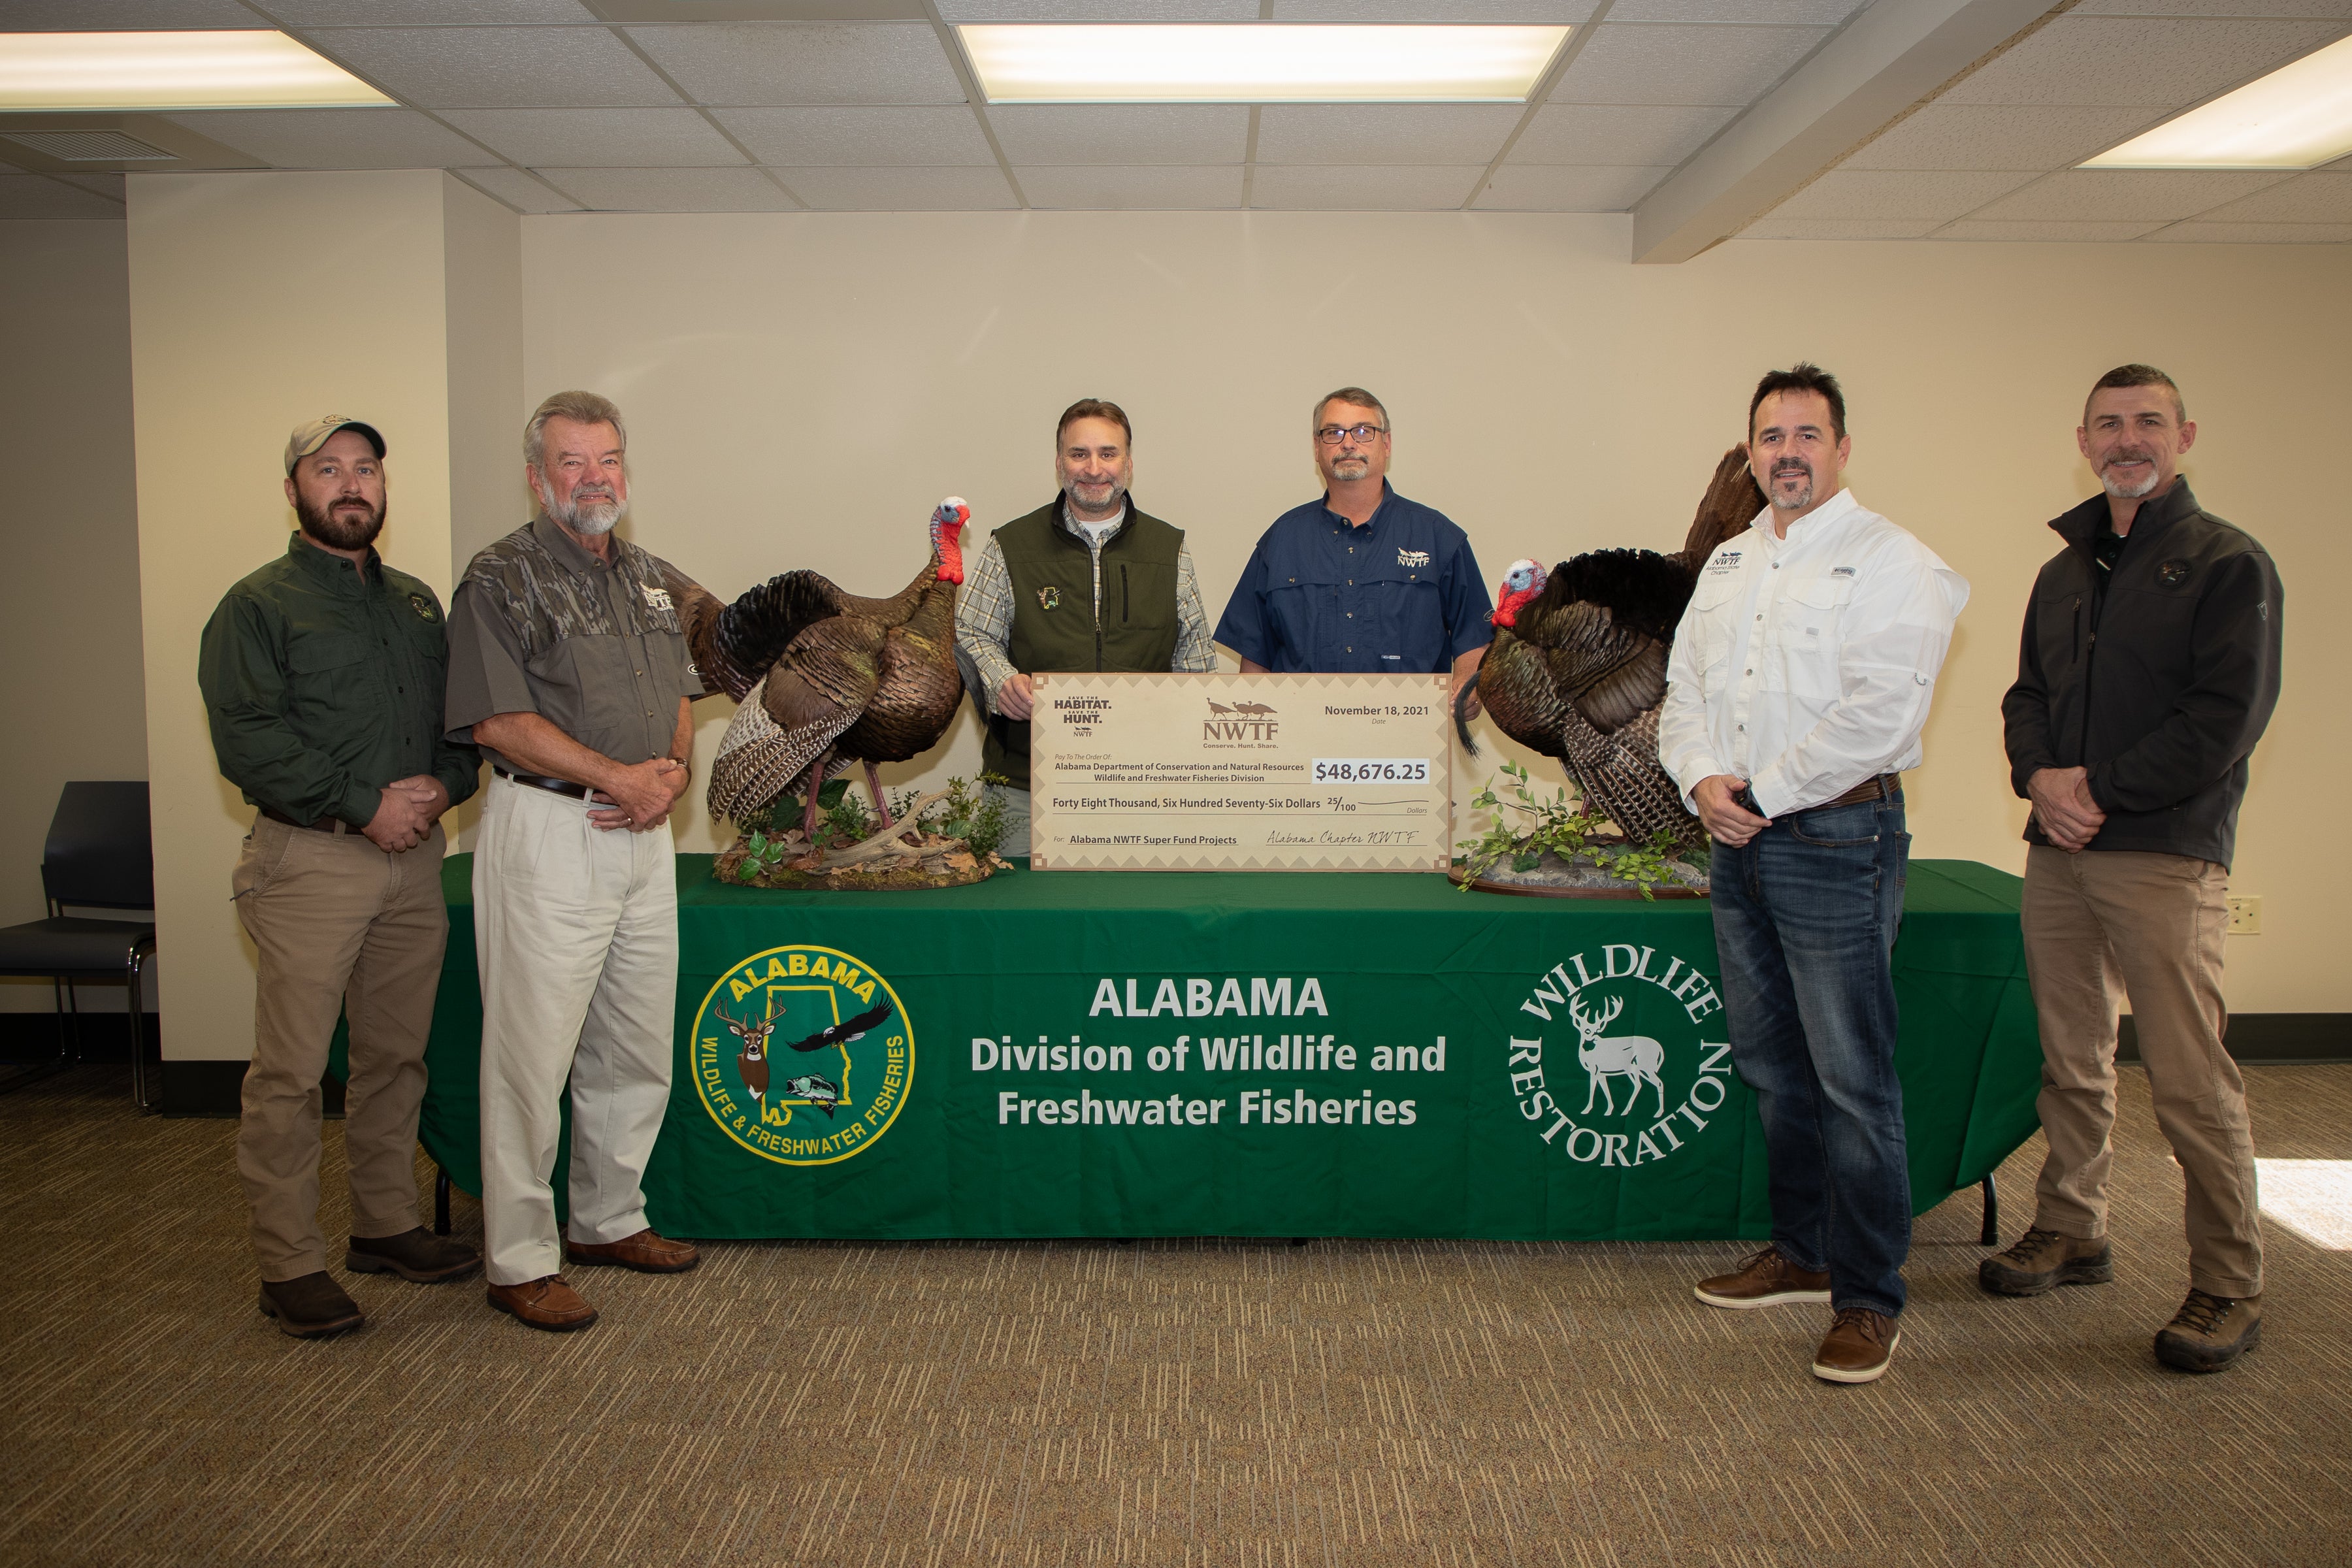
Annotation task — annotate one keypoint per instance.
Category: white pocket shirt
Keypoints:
(1805, 665)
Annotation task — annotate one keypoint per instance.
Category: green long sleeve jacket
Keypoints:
(323, 683)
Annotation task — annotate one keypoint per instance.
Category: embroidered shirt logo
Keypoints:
(1049, 597)
(658, 597)
(1413, 557)
(1724, 564)
(2172, 574)
(425, 610)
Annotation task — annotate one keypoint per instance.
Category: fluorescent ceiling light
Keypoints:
(1258, 62)
(2298, 117)
(63, 71)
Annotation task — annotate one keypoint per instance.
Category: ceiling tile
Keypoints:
(518, 191)
(2043, 231)
(599, 138)
(1684, 65)
(1122, 132)
(1095, 188)
(2122, 195)
(1618, 132)
(1811, 13)
(1296, 187)
(671, 190)
(900, 190)
(860, 136)
(123, 15)
(496, 67)
(1098, 10)
(763, 63)
(336, 138)
(1394, 133)
(2165, 65)
(1548, 12)
(2205, 233)
(1838, 228)
(1568, 188)
(2215, 7)
(1984, 136)
(2323, 197)
(1855, 193)
(32, 196)
(106, 185)
(427, 12)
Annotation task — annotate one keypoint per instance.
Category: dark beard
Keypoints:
(327, 529)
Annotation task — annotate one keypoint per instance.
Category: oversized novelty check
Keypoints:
(1263, 772)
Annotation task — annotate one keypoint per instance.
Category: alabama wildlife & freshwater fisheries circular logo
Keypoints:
(1616, 1067)
(803, 1054)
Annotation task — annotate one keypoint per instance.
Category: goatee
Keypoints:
(324, 526)
(2123, 491)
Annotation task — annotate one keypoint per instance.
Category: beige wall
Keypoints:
(258, 301)
(802, 390)
(70, 640)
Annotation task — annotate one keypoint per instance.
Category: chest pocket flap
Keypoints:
(321, 651)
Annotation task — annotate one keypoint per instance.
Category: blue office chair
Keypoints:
(101, 855)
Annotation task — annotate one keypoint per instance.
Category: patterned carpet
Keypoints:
(1341, 1402)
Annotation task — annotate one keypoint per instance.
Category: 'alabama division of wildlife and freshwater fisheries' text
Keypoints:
(1271, 772)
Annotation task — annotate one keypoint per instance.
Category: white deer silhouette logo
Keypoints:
(1636, 1056)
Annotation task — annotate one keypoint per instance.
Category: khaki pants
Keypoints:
(341, 927)
(2100, 925)
(577, 929)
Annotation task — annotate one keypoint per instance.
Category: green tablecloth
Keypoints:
(1450, 1020)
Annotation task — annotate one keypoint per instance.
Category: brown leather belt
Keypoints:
(334, 824)
(536, 780)
(1884, 787)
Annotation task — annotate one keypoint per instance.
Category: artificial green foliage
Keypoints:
(1559, 826)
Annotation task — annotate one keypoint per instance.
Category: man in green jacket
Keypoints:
(1086, 582)
(322, 675)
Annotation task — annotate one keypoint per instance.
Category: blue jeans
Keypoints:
(1805, 916)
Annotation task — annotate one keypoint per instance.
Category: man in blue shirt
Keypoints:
(1363, 580)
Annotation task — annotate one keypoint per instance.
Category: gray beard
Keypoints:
(590, 517)
(2123, 491)
(1116, 498)
(327, 529)
(1797, 502)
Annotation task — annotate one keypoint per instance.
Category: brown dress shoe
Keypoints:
(308, 1306)
(645, 1252)
(548, 1303)
(1766, 1279)
(1857, 1348)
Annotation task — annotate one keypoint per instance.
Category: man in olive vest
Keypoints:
(1086, 582)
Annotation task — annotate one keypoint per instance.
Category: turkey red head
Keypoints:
(1525, 579)
(946, 536)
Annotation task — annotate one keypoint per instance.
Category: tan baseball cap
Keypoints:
(311, 434)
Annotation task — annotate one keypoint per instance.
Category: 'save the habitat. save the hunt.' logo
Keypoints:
(804, 1054)
(1647, 1094)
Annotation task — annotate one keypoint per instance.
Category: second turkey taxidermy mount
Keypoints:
(824, 680)
(1578, 672)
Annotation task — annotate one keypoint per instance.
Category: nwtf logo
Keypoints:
(1651, 1087)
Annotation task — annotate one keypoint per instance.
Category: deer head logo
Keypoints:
(753, 1058)
(1635, 1056)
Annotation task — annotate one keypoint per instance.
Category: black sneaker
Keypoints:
(310, 1305)
(2210, 1332)
(2043, 1260)
(417, 1255)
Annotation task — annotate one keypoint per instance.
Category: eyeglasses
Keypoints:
(1332, 434)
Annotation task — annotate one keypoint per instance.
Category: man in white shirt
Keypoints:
(1795, 696)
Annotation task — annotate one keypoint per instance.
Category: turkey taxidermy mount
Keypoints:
(1578, 669)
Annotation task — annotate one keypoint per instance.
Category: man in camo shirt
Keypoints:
(568, 667)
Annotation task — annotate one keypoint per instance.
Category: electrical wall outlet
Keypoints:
(2245, 914)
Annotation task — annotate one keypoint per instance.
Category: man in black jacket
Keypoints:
(2149, 666)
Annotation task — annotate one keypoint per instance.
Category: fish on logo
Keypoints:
(822, 1094)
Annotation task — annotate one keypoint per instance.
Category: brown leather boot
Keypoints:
(417, 1255)
(1765, 1279)
(2043, 1260)
(549, 1303)
(2210, 1332)
(645, 1252)
(309, 1305)
(1858, 1346)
